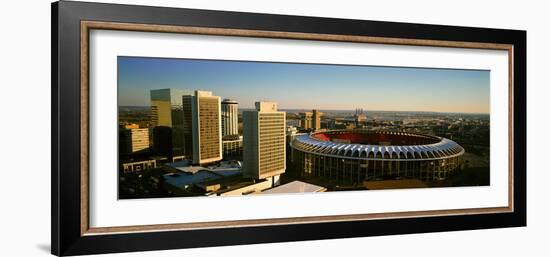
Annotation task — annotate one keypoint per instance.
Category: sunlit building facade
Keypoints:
(264, 142)
(306, 120)
(316, 119)
(230, 117)
(134, 139)
(206, 128)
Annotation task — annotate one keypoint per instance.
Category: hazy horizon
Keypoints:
(309, 86)
(341, 110)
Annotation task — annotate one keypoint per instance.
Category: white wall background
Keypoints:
(25, 127)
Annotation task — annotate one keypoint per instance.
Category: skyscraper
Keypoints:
(206, 128)
(230, 122)
(264, 142)
(166, 111)
(316, 120)
(306, 120)
(187, 104)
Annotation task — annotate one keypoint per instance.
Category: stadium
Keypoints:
(355, 156)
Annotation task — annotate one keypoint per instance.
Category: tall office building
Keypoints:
(167, 118)
(162, 141)
(264, 142)
(187, 104)
(306, 120)
(316, 120)
(230, 118)
(206, 128)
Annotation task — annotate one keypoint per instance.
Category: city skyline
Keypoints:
(311, 85)
(188, 142)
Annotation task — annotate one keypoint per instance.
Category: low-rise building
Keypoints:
(138, 165)
(295, 187)
(248, 188)
(186, 179)
(133, 139)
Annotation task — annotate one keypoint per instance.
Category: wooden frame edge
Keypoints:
(84, 129)
(289, 221)
(86, 26)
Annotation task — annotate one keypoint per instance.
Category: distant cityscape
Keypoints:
(193, 142)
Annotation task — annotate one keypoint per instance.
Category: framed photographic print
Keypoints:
(178, 128)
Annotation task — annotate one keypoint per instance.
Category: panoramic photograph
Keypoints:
(193, 127)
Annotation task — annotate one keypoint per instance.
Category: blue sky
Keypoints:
(309, 86)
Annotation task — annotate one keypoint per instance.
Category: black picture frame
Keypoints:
(66, 235)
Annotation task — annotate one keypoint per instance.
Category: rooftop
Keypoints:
(184, 166)
(351, 144)
(375, 138)
(191, 175)
(183, 179)
(295, 187)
